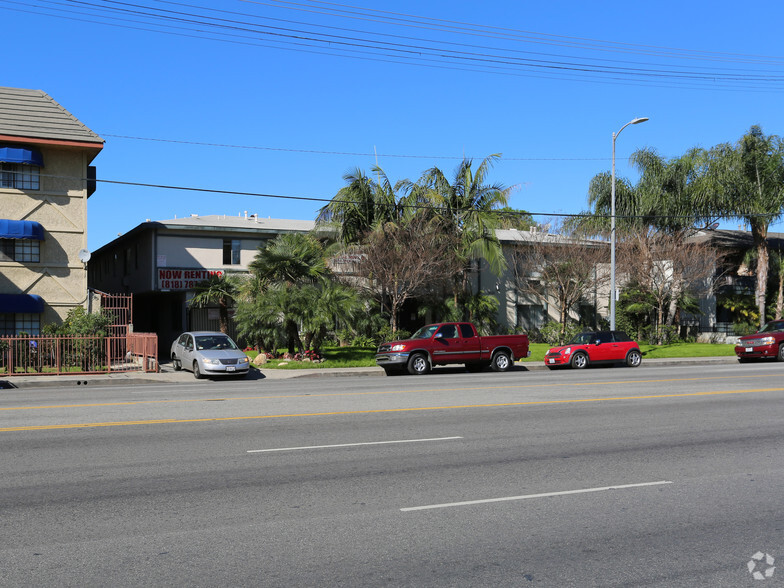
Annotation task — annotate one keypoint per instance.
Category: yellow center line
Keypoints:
(415, 391)
(380, 410)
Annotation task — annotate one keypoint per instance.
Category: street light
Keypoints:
(636, 121)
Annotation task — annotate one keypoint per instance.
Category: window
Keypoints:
(231, 251)
(604, 337)
(448, 332)
(13, 323)
(530, 316)
(21, 177)
(466, 330)
(21, 250)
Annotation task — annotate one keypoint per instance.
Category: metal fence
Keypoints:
(61, 355)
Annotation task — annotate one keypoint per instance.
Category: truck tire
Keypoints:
(418, 364)
(501, 361)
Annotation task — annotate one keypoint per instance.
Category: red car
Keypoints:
(595, 347)
(768, 343)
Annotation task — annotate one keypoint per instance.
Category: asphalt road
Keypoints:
(602, 477)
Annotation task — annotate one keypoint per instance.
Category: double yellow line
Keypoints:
(381, 410)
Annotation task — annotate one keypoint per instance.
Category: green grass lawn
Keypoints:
(334, 357)
(344, 357)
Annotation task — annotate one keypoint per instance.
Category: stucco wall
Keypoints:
(60, 206)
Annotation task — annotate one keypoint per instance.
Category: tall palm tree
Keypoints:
(362, 204)
(670, 198)
(777, 263)
(749, 179)
(671, 195)
(217, 289)
(467, 205)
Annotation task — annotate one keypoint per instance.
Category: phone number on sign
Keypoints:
(179, 284)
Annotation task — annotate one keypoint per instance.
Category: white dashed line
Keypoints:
(352, 444)
(527, 496)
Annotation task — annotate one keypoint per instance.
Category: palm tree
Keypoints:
(328, 305)
(777, 262)
(291, 258)
(467, 205)
(362, 204)
(220, 289)
(288, 265)
(748, 177)
(670, 198)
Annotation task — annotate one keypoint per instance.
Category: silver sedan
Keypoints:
(209, 353)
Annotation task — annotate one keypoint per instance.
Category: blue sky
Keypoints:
(274, 114)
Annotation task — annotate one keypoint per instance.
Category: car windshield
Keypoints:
(206, 342)
(583, 339)
(425, 332)
(773, 326)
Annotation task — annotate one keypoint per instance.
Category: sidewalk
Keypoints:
(167, 375)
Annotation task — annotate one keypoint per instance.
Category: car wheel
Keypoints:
(196, 372)
(579, 361)
(177, 363)
(418, 364)
(633, 358)
(780, 355)
(501, 361)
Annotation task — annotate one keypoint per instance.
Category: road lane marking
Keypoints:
(380, 410)
(528, 496)
(351, 444)
(382, 392)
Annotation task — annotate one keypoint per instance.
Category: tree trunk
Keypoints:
(393, 312)
(760, 233)
(780, 298)
(564, 316)
(677, 290)
(223, 315)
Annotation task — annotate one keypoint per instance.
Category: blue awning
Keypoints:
(22, 303)
(20, 229)
(21, 155)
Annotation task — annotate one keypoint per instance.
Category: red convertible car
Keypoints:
(595, 347)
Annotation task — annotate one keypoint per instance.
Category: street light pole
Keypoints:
(636, 121)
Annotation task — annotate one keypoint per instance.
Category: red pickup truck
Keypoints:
(446, 343)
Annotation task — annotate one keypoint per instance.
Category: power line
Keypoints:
(434, 53)
(351, 153)
(417, 206)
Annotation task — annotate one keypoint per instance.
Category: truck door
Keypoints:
(446, 345)
(469, 343)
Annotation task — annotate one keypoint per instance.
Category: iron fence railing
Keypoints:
(55, 355)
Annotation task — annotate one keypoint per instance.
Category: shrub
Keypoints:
(385, 334)
(363, 341)
(551, 332)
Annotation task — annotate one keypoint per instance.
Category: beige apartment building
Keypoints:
(45, 181)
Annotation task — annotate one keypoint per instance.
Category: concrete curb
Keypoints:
(169, 376)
